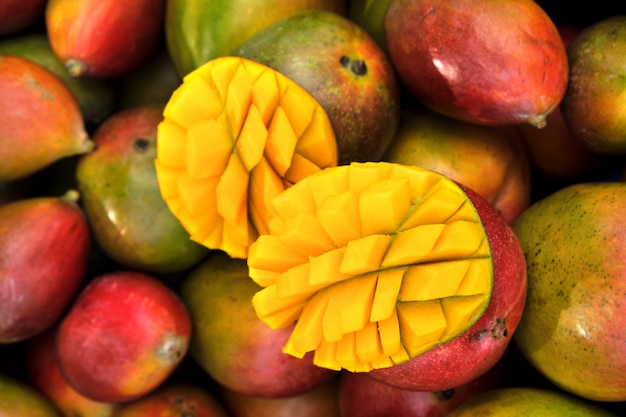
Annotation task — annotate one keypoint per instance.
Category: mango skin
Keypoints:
(573, 327)
(199, 31)
(491, 160)
(44, 249)
(172, 400)
(495, 63)
(232, 344)
(40, 119)
(121, 198)
(123, 337)
(104, 38)
(95, 97)
(523, 401)
(593, 104)
(344, 69)
(44, 374)
(17, 399)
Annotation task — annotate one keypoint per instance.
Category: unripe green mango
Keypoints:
(199, 31)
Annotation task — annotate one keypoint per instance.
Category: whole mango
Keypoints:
(197, 32)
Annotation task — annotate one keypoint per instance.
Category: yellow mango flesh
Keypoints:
(235, 134)
(375, 263)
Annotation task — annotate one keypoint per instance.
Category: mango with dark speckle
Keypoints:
(574, 325)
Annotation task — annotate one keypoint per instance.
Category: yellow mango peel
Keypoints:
(375, 263)
(234, 135)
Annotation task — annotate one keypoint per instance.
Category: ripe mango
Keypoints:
(40, 119)
(44, 246)
(96, 97)
(104, 38)
(344, 69)
(197, 32)
(574, 325)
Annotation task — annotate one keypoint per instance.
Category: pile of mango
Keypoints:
(349, 208)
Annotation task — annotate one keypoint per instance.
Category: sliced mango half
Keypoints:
(235, 134)
(375, 263)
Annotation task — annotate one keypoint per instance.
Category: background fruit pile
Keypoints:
(80, 204)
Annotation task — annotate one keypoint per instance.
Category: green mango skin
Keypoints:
(95, 97)
(199, 31)
(121, 197)
(523, 401)
(344, 69)
(370, 15)
(17, 399)
(596, 95)
(573, 329)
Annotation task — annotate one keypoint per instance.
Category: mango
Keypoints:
(197, 32)
(592, 106)
(44, 374)
(234, 135)
(18, 399)
(96, 98)
(123, 336)
(231, 344)
(44, 248)
(497, 62)
(120, 195)
(491, 160)
(573, 328)
(378, 264)
(527, 401)
(343, 68)
(40, 119)
(370, 15)
(104, 38)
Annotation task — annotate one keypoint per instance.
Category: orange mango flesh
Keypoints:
(236, 134)
(375, 263)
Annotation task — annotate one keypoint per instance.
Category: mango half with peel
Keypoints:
(235, 134)
(378, 263)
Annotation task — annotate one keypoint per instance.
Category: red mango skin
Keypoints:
(44, 247)
(125, 334)
(232, 344)
(478, 349)
(488, 62)
(17, 16)
(43, 372)
(319, 401)
(104, 38)
(554, 152)
(363, 396)
(40, 119)
(174, 400)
